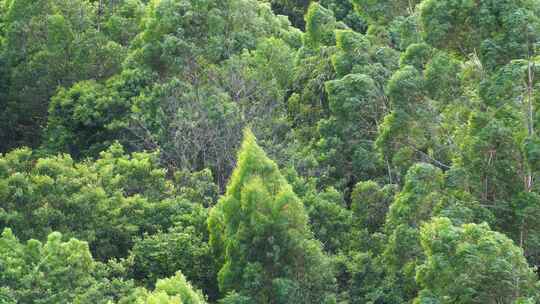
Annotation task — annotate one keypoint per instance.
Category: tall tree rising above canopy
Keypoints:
(259, 231)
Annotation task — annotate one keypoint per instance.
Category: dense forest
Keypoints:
(269, 151)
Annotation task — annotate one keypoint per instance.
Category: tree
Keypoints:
(346, 144)
(180, 249)
(106, 202)
(337, 125)
(259, 232)
(329, 219)
(90, 116)
(472, 264)
(49, 44)
(175, 33)
(297, 9)
(294, 9)
(418, 201)
(120, 20)
(53, 272)
(499, 32)
(173, 290)
(370, 203)
(425, 95)
(384, 11)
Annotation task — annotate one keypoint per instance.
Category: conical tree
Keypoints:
(260, 234)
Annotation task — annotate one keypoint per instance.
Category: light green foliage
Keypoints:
(472, 264)
(106, 202)
(320, 26)
(260, 224)
(173, 290)
(54, 272)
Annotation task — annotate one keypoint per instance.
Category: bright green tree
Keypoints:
(173, 290)
(106, 202)
(52, 272)
(259, 231)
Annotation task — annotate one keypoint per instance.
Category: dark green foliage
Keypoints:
(404, 134)
(370, 204)
(177, 32)
(162, 254)
(88, 117)
(49, 44)
(383, 11)
(355, 109)
(330, 221)
(471, 264)
(353, 52)
(499, 31)
(294, 9)
(419, 200)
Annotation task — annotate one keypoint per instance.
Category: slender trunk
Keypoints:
(99, 13)
(529, 178)
(530, 115)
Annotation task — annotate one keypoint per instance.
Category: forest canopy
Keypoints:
(269, 151)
